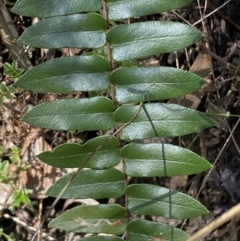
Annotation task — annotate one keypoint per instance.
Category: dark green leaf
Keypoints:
(48, 8)
(153, 160)
(153, 83)
(143, 39)
(94, 184)
(73, 114)
(66, 75)
(159, 119)
(110, 219)
(76, 31)
(112, 1)
(143, 230)
(146, 199)
(132, 8)
(75, 155)
(101, 238)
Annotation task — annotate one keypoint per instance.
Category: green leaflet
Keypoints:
(159, 119)
(101, 238)
(49, 8)
(95, 184)
(153, 83)
(75, 155)
(73, 114)
(143, 39)
(154, 159)
(131, 8)
(146, 199)
(112, 1)
(143, 230)
(103, 218)
(75, 31)
(67, 75)
(92, 73)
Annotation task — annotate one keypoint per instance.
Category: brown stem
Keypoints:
(9, 35)
(109, 52)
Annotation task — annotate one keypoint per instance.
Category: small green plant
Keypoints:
(130, 104)
(13, 72)
(19, 196)
(7, 236)
(6, 92)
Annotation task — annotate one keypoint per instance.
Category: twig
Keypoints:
(219, 154)
(228, 65)
(205, 30)
(227, 216)
(210, 5)
(208, 15)
(9, 35)
(18, 221)
(234, 141)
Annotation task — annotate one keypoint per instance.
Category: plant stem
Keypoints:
(9, 35)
